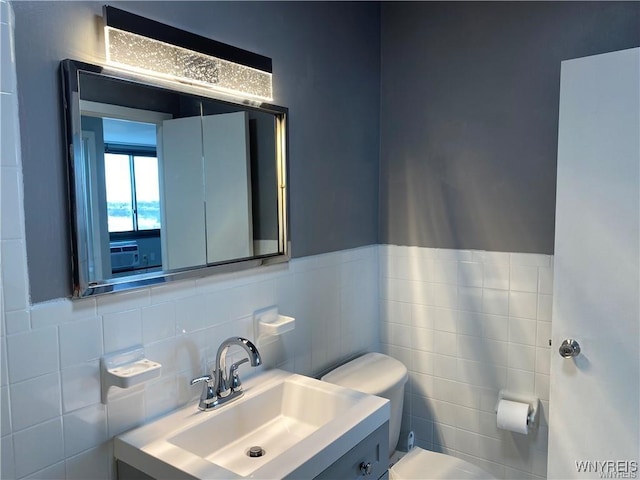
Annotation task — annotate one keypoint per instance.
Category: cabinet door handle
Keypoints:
(365, 468)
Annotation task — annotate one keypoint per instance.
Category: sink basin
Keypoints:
(276, 420)
(300, 426)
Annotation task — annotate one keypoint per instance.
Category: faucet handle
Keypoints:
(236, 384)
(234, 366)
(204, 378)
(207, 397)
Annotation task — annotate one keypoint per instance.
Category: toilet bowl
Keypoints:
(383, 376)
(423, 464)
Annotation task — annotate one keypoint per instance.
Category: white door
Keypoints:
(183, 215)
(207, 190)
(594, 418)
(228, 186)
(98, 257)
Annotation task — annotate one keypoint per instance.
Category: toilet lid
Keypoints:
(372, 373)
(423, 464)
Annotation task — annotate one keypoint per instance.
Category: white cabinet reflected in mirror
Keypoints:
(167, 183)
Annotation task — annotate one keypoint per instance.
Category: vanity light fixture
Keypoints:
(142, 45)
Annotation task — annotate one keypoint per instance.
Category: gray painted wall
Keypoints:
(326, 66)
(468, 98)
(469, 109)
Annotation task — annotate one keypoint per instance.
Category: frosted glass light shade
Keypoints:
(133, 51)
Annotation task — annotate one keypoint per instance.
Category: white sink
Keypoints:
(303, 425)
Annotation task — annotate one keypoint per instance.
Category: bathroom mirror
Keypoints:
(169, 181)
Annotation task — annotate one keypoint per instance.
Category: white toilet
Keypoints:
(381, 375)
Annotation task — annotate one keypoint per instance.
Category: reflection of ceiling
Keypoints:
(128, 132)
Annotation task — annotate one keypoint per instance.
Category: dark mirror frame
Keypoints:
(78, 209)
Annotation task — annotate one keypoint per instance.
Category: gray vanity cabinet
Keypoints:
(127, 472)
(368, 459)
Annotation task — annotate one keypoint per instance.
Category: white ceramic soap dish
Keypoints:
(125, 369)
(268, 323)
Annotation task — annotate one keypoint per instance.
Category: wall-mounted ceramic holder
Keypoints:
(534, 404)
(125, 369)
(268, 324)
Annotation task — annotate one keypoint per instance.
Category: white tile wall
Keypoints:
(467, 324)
(57, 357)
(55, 363)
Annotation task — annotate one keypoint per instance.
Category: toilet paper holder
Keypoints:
(534, 404)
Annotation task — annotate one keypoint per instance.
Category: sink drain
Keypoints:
(256, 451)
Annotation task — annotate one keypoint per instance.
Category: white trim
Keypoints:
(96, 109)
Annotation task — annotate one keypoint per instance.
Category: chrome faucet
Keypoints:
(222, 387)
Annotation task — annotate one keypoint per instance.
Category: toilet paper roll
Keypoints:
(512, 416)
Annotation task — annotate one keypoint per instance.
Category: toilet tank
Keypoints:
(380, 375)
